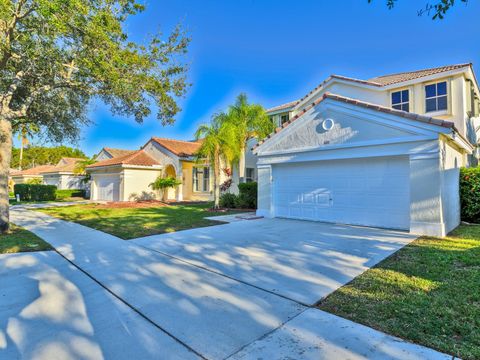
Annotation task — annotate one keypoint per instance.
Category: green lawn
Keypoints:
(427, 293)
(130, 223)
(20, 240)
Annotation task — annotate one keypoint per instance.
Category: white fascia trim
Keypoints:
(422, 148)
(407, 139)
(468, 147)
(281, 111)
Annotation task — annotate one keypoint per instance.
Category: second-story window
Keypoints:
(401, 100)
(284, 119)
(436, 97)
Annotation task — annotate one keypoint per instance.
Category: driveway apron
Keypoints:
(212, 314)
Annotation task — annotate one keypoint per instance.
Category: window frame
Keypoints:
(447, 95)
(249, 178)
(205, 186)
(409, 102)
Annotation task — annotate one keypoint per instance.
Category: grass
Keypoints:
(130, 223)
(427, 293)
(21, 240)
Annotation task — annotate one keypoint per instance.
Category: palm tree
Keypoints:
(24, 131)
(251, 121)
(219, 146)
(80, 169)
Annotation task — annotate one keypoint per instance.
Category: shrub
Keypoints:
(247, 199)
(470, 194)
(35, 192)
(228, 200)
(65, 194)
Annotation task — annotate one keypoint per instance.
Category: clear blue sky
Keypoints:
(277, 51)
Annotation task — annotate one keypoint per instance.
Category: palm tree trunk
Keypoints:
(20, 160)
(5, 157)
(216, 180)
(241, 164)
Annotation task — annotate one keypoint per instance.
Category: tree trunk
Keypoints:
(216, 181)
(5, 156)
(20, 160)
(241, 165)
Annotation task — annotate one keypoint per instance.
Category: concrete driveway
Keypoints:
(230, 291)
(300, 260)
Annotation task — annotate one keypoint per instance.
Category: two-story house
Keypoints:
(382, 152)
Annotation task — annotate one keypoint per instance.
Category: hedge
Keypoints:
(65, 194)
(228, 200)
(470, 194)
(35, 192)
(246, 199)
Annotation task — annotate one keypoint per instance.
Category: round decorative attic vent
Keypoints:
(328, 124)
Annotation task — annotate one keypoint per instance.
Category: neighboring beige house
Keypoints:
(127, 177)
(62, 175)
(383, 152)
(23, 176)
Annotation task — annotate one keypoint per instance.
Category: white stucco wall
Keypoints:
(52, 179)
(72, 182)
(452, 161)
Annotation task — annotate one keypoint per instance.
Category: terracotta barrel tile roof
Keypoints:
(391, 79)
(283, 106)
(32, 171)
(118, 152)
(179, 147)
(139, 158)
(385, 80)
(65, 164)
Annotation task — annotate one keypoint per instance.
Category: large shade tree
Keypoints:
(56, 55)
(220, 148)
(250, 121)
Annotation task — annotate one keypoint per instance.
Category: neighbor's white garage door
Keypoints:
(108, 188)
(372, 192)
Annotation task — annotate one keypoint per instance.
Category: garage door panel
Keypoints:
(372, 192)
(108, 188)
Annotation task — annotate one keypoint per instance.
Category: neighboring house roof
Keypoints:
(118, 152)
(407, 115)
(65, 164)
(179, 147)
(412, 75)
(283, 106)
(37, 170)
(139, 158)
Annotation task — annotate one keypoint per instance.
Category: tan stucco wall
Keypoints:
(136, 183)
(187, 184)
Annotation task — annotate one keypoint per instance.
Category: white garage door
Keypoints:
(108, 188)
(371, 192)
